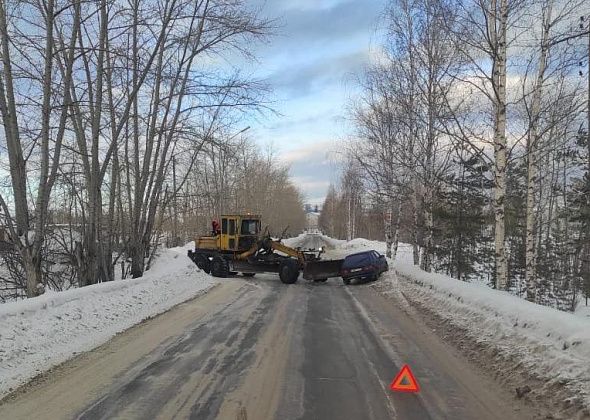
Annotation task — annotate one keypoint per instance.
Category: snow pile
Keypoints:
(37, 334)
(553, 343)
(361, 244)
(548, 346)
(295, 241)
(302, 239)
(583, 310)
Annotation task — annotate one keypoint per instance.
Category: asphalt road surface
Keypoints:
(257, 349)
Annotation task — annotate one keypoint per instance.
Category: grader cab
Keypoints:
(238, 233)
(240, 246)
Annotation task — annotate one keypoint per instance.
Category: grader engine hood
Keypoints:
(315, 270)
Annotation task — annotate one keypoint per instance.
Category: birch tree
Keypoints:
(380, 148)
(406, 144)
(487, 30)
(34, 133)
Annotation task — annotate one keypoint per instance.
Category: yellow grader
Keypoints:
(241, 247)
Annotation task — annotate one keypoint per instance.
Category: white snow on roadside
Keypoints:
(552, 345)
(583, 310)
(37, 334)
(298, 241)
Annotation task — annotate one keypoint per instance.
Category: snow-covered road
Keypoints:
(258, 349)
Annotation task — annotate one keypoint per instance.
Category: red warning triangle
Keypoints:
(405, 381)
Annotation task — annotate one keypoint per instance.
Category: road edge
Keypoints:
(43, 376)
(506, 370)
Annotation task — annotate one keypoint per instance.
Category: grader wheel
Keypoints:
(203, 263)
(219, 267)
(289, 271)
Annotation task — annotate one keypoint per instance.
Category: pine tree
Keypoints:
(580, 216)
(463, 248)
(516, 226)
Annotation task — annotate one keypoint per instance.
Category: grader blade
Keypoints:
(315, 270)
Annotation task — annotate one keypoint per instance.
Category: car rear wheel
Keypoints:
(346, 281)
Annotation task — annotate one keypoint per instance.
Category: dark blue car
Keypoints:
(366, 265)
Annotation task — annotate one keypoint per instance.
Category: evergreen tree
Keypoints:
(516, 226)
(462, 243)
(580, 215)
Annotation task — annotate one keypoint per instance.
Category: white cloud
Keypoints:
(309, 183)
(324, 152)
(312, 4)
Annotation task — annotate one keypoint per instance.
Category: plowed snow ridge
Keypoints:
(37, 334)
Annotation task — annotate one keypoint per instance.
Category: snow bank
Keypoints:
(301, 239)
(37, 334)
(553, 344)
(498, 315)
(295, 241)
(582, 310)
(361, 244)
(529, 339)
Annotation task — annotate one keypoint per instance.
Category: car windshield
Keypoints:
(356, 260)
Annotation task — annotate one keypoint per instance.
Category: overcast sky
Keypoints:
(310, 65)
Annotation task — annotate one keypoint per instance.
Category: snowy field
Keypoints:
(37, 334)
(551, 347)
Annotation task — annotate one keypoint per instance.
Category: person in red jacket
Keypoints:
(215, 227)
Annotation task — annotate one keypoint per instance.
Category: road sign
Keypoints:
(405, 381)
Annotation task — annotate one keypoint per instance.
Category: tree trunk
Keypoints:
(415, 247)
(389, 233)
(585, 263)
(533, 140)
(137, 255)
(499, 83)
(32, 266)
(398, 218)
(427, 250)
